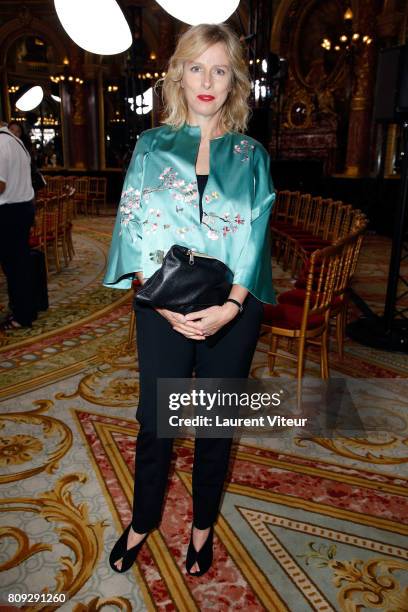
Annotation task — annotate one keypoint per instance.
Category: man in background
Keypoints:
(16, 219)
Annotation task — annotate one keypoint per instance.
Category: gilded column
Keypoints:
(6, 110)
(77, 134)
(389, 23)
(364, 70)
(389, 29)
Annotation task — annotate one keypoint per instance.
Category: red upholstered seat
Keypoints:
(300, 283)
(310, 248)
(288, 316)
(296, 297)
(314, 243)
(299, 233)
(281, 225)
(34, 242)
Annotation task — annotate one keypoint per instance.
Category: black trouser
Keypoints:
(15, 223)
(165, 353)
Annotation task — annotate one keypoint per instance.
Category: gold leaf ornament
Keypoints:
(20, 448)
(98, 603)
(84, 539)
(370, 584)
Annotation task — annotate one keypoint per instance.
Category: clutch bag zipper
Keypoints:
(193, 254)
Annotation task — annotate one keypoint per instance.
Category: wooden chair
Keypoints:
(308, 323)
(68, 182)
(96, 194)
(290, 244)
(305, 230)
(37, 238)
(51, 230)
(62, 226)
(316, 235)
(69, 222)
(339, 308)
(284, 213)
(52, 185)
(81, 186)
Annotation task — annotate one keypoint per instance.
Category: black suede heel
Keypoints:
(119, 551)
(203, 557)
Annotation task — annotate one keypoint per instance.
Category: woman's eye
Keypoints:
(220, 71)
(195, 68)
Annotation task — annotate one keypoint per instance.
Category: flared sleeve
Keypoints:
(125, 254)
(253, 269)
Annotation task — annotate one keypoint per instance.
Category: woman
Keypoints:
(197, 182)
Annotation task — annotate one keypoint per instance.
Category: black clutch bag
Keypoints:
(186, 282)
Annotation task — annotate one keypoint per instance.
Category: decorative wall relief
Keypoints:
(318, 87)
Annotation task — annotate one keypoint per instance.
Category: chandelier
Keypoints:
(347, 39)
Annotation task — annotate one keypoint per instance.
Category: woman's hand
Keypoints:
(179, 323)
(210, 320)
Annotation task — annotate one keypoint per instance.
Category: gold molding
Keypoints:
(299, 97)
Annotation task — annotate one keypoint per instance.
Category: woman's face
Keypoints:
(206, 82)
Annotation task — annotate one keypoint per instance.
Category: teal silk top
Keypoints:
(159, 207)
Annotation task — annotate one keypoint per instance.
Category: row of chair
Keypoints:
(90, 192)
(325, 238)
(302, 223)
(52, 230)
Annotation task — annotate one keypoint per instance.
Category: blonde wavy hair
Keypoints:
(235, 111)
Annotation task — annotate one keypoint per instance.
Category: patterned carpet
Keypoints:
(318, 524)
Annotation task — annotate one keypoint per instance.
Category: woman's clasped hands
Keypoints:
(198, 325)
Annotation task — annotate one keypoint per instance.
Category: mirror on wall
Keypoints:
(128, 108)
(320, 55)
(35, 100)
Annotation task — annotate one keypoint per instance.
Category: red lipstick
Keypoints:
(205, 98)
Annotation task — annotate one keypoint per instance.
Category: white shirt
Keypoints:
(15, 169)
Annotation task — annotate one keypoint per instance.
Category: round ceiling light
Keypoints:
(193, 13)
(30, 99)
(98, 26)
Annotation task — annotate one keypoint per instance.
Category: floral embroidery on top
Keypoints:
(129, 203)
(211, 196)
(218, 225)
(131, 199)
(152, 222)
(243, 147)
(157, 256)
(230, 226)
(183, 192)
